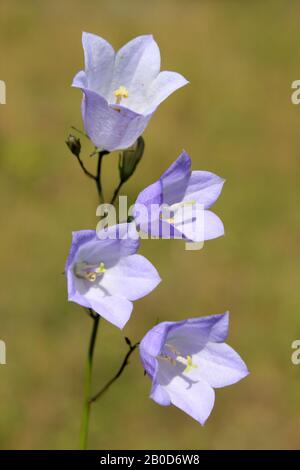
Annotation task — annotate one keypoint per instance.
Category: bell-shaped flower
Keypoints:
(121, 90)
(106, 275)
(187, 360)
(176, 206)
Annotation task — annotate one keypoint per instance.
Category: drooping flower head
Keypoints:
(188, 195)
(106, 274)
(122, 90)
(186, 360)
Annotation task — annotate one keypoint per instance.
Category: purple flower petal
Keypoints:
(175, 179)
(160, 395)
(137, 64)
(108, 250)
(80, 80)
(187, 359)
(192, 335)
(146, 209)
(176, 205)
(116, 121)
(152, 345)
(99, 58)
(133, 277)
(213, 226)
(204, 188)
(79, 238)
(197, 401)
(116, 310)
(196, 398)
(105, 274)
(168, 190)
(205, 225)
(151, 195)
(163, 86)
(149, 363)
(75, 294)
(219, 365)
(110, 127)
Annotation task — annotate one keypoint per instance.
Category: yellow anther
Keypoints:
(189, 365)
(101, 268)
(89, 271)
(186, 361)
(120, 93)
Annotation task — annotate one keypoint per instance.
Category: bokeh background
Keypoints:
(236, 119)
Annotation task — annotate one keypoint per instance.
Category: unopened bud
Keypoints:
(74, 145)
(130, 158)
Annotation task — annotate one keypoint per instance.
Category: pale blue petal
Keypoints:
(219, 365)
(74, 295)
(107, 250)
(196, 398)
(137, 64)
(160, 395)
(154, 340)
(175, 179)
(204, 188)
(192, 335)
(151, 346)
(133, 277)
(79, 238)
(205, 225)
(149, 363)
(80, 80)
(116, 310)
(110, 127)
(163, 86)
(213, 226)
(149, 221)
(146, 209)
(99, 58)
(151, 195)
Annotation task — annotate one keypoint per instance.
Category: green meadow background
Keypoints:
(234, 118)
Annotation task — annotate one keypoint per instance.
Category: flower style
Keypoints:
(187, 196)
(186, 360)
(106, 274)
(122, 90)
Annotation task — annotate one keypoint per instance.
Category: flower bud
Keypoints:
(74, 145)
(130, 158)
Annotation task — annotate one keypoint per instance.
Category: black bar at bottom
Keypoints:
(138, 458)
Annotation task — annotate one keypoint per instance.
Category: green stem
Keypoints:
(86, 172)
(87, 388)
(98, 175)
(118, 374)
(88, 399)
(116, 192)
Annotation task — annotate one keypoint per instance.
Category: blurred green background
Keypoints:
(236, 119)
